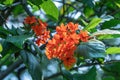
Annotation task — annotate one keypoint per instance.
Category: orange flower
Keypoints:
(60, 51)
(64, 43)
(72, 27)
(66, 50)
(73, 38)
(61, 28)
(69, 62)
(39, 30)
(84, 36)
(43, 38)
(30, 20)
(41, 23)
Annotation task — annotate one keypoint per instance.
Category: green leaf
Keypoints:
(13, 30)
(118, 4)
(1, 48)
(63, 8)
(32, 64)
(67, 75)
(91, 74)
(113, 50)
(8, 2)
(36, 2)
(8, 48)
(84, 22)
(112, 69)
(107, 34)
(18, 10)
(51, 10)
(1, 1)
(4, 59)
(91, 49)
(111, 23)
(18, 41)
(108, 78)
(93, 23)
(88, 11)
(4, 32)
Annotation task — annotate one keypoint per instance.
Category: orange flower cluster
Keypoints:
(40, 29)
(84, 36)
(64, 43)
(30, 20)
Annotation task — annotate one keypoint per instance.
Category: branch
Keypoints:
(3, 74)
(5, 12)
(11, 6)
(64, 10)
(83, 65)
(24, 4)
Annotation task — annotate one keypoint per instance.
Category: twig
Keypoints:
(64, 10)
(5, 12)
(83, 65)
(11, 6)
(24, 4)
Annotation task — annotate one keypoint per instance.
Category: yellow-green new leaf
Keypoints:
(1, 48)
(113, 50)
(8, 2)
(93, 23)
(50, 9)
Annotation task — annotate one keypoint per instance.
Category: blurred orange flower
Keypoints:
(43, 38)
(41, 32)
(69, 62)
(39, 28)
(30, 20)
(84, 36)
(63, 44)
(72, 27)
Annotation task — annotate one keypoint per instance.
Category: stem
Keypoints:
(61, 17)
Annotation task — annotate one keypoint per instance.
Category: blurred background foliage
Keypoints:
(21, 59)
